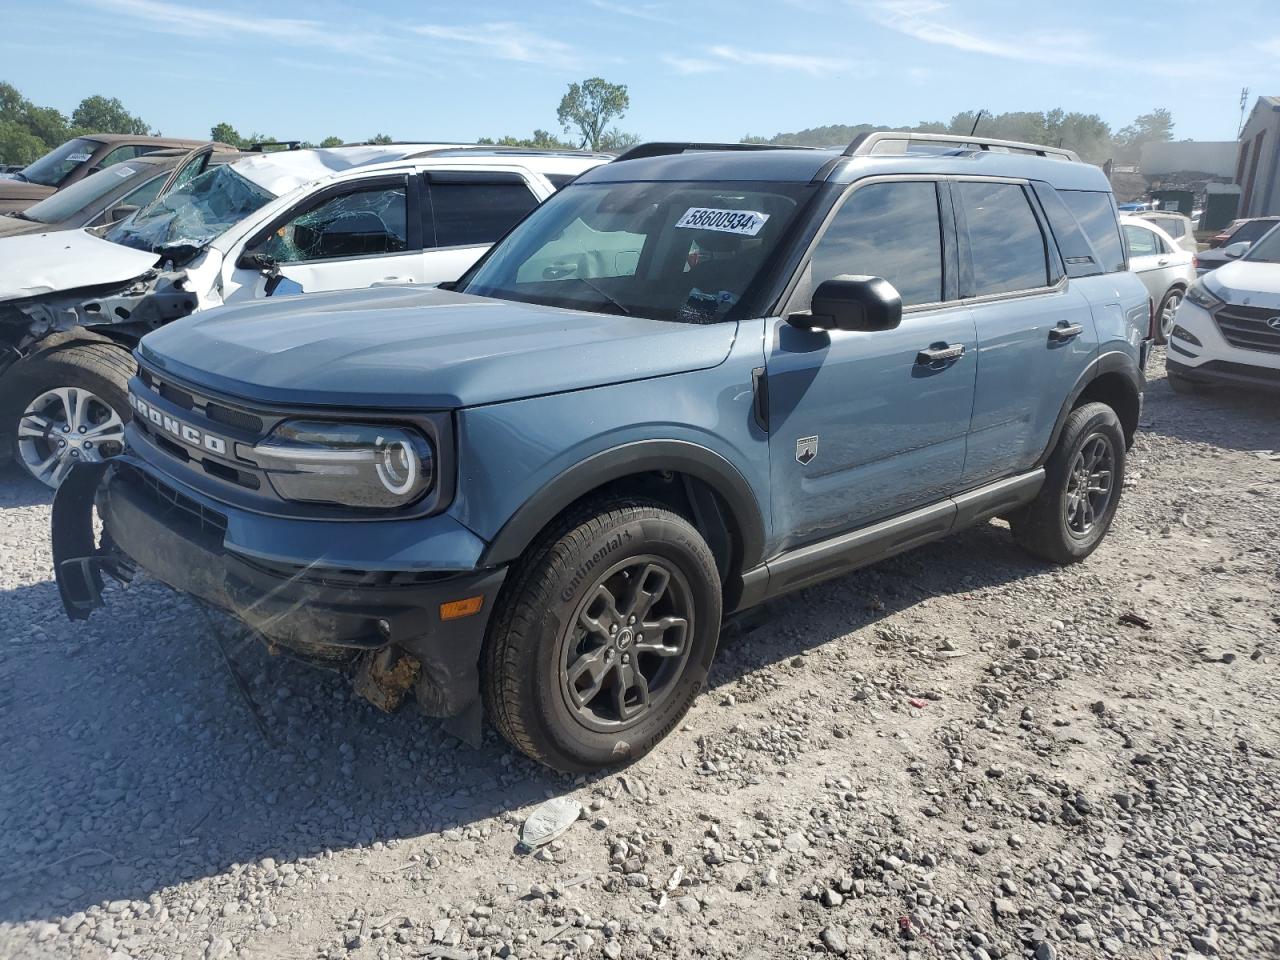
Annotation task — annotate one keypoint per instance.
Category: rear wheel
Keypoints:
(68, 407)
(1166, 314)
(1083, 479)
(603, 636)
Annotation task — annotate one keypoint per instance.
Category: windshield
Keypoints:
(77, 197)
(684, 251)
(193, 214)
(1266, 250)
(51, 169)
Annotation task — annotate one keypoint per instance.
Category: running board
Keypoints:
(816, 562)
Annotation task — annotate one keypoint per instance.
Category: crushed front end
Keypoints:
(393, 595)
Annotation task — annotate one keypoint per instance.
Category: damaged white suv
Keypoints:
(73, 304)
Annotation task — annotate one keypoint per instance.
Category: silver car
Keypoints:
(1165, 268)
(1178, 226)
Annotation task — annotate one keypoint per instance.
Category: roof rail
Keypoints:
(881, 142)
(261, 145)
(668, 148)
(465, 149)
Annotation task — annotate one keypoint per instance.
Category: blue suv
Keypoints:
(696, 378)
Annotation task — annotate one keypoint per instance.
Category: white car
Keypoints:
(1180, 228)
(74, 303)
(1165, 268)
(1228, 328)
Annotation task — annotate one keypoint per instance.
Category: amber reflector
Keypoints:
(456, 609)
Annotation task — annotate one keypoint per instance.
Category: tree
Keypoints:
(541, 140)
(1154, 126)
(226, 133)
(99, 114)
(18, 145)
(381, 138)
(616, 140)
(588, 108)
(332, 142)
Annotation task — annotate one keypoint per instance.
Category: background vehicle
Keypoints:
(73, 304)
(1238, 241)
(107, 196)
(75, 160)
(541, 486)
(1179, 227)
(1227, 331)
(1164, 268)
(1249, 228)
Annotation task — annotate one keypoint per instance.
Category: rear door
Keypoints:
(464, 211)
(1036, 334)
(865, 425)
(352, 234)
(1149, 258)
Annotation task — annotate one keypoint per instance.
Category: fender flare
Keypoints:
(1112, 361)
(641, 456)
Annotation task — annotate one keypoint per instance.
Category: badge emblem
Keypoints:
(806, 450)
(1274, 323)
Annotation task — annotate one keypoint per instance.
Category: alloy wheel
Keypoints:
(65, 426)
(1090, 485)
(1169, 312)
(628, 643)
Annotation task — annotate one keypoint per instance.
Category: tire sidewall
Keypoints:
(1098, 418)
(1162, 335)
(573, 576)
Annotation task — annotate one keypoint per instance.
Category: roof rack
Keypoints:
(668, 148)
(882, 142)
(261, 145)
(468, 149)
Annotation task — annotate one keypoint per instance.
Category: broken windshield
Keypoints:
(193, 214)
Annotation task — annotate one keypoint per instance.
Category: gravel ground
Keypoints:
(958, 753)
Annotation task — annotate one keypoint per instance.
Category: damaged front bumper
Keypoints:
(385, 626)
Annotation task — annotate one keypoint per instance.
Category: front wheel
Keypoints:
(1167, 313)
(603, 636)
(67, 407)
(1083, 479)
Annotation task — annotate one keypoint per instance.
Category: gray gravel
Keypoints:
(959, 753)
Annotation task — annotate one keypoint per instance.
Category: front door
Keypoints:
(864, 426)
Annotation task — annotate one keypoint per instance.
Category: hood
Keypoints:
(421, 348)
(15, 226)
(1247, 283)
(17, 195)
(65, 260)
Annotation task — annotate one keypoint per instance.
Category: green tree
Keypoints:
(1147, 128)
(617, 140)
(381, 138)
(226, 133)
(541, 139)
(588, 108)
(332, 142)
(19, 145)
(99, 114)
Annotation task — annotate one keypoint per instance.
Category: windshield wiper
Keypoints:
(608, 296)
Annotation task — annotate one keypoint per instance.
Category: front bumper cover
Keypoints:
(319, 613)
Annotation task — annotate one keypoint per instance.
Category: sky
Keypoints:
(697, 69)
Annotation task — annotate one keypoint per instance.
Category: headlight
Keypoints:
(1201, 296)
(350, 464)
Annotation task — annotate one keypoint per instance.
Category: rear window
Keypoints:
(1095, 211)
(1252, 230)
(1006, 247)
(469, 209)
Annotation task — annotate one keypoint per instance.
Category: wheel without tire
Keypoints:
(1166, 314)
(603, 636)
(67, 407)
(1083, 480)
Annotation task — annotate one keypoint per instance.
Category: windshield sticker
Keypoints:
(746, 223)
(125, 171)
(77, 157)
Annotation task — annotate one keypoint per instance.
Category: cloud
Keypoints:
(723, 57)
(644, 11)
(688, 66)
(504, 41)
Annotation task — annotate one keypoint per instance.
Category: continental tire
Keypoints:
(66, 406)
(1083, 481)
(603, 636)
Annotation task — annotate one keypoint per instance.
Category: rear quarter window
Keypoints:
(1095, 212)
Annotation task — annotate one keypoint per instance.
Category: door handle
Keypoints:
(391, 281)
(938, 355)
(1065, 332)
(1161, 263)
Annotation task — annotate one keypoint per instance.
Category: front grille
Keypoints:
(1248, 328)
(233, 418)
(210, 522)
(177, 395)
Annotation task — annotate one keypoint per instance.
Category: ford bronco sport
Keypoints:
(696, 378)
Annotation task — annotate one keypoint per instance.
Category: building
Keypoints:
(1258, 162)
(1217, 158)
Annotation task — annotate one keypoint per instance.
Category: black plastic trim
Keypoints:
(643, 456)
(1114, 361)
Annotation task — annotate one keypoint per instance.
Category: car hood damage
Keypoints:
(406, 347)
(65, 260)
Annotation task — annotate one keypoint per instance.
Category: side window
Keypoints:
(888, 230)
(1141, 241)
(361, 223)
(472, 208)
(193, 168)
(1006, 245)
(1174, 228)
(144, 194)
(119, 155)
(1095, 211)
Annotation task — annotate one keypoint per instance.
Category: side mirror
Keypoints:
(120, 211)
(1234, 251)
(852, 303)
(256, 261)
